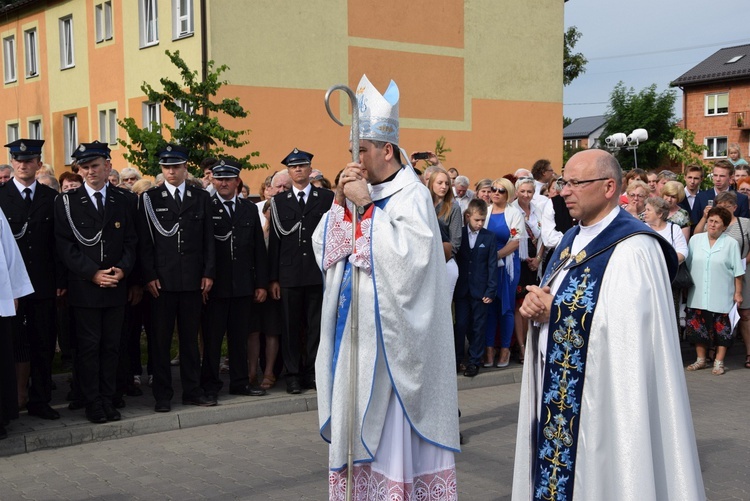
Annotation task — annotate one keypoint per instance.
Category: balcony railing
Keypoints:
(740, 120)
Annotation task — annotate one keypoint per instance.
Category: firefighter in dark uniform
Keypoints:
(241, 280)
(176, 243)
(30, 209)
(96, 240)
(295, 276)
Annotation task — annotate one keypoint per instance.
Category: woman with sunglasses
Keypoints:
(507, 223)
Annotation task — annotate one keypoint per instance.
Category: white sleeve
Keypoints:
(550, 236)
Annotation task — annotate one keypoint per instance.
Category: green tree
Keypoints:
(195, 109)
(567, 121)
(574, 63)
(647, 109)
(683, 149)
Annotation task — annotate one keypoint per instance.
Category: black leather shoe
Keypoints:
(251, 391)
(43, 411)
(163, 406)
(110, 412)
(118, 403)
(75, 405)
(203, 401)
(95, 413)
(472, 370)
(3, 433)
(293, 386)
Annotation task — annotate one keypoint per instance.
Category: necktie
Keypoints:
(301, 196)
(27, 196)
(230, 209)
(177, 198)
(99, 203)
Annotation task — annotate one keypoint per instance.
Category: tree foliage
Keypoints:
(683, 149)
(574, 63)
(629, 110)
(195, 108)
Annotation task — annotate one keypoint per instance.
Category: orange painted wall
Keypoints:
(429, 22)
(57, 137)
(504, 134)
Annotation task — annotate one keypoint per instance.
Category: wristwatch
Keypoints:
(361, 209)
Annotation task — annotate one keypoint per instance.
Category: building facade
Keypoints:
(485, 75)
(716, 101)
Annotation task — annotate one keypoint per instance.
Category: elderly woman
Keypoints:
(673, 192)
(743, 186)
(507, 223)
(482, 190)
(717, 270)
(656, 216)
(530, 252)
(631, 175)
(128, 177)
(738, 229)
(449, 217)
(637, 193)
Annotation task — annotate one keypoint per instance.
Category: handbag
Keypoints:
(682, 279)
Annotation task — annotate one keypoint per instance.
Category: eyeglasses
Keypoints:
(498, 190)
(574, 183)
(635, 195)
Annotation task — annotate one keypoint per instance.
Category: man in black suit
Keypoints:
(295, 276)
(693, 179)
(723, 174)
(30, 209)
(176, 243)
(241, 279)
(96, 239)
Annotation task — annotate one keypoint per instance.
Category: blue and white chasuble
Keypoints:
(591, 376)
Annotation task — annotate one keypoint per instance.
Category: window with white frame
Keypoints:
(717, 104)
(151, 115)
(717, 147)
(108, 126)
(35, 129)
(13, 132)
(182, 18)
(9, 58)
(70, 136)
(572, 143)
(31, 51)
(148, 19)
(103, 21)
(67, 51)
(186, 107)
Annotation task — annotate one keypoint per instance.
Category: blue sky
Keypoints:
(642, 42)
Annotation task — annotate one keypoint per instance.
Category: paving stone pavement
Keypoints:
(282, 457)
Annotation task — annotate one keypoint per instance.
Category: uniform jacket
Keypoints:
(182, 260)
(291, 257)
(117, 246)
(241, 259)
(477, 267)
(38, 241)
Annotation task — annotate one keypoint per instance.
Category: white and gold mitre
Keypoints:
(378, 113)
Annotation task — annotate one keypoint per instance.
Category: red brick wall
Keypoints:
(709, 126)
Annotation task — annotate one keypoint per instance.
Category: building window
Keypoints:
(32, 58)
(70, 136)
(103, 21)
(9, 58)
(186, 107)
(35, 129)
(151, 116)
(108, 126)
(717, 147)
(717, 104)
(148, 16)
(182, 16)
(13, 132)
(67, 59)
(572, 143)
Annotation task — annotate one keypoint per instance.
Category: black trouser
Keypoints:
(302, 308)
(185, 308)
(98, 344)
(471, 320)
(8, 386)
(129, 363)
(230, 315)
(35, 326)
